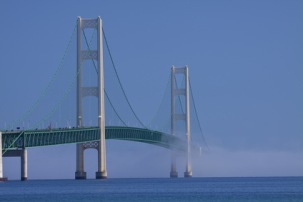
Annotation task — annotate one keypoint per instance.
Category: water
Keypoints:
(263, 189)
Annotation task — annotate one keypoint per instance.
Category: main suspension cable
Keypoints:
(44, 93)
(110, 102)
(88, 46)
(112, 61)
(196, 113)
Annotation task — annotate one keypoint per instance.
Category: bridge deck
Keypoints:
(35, 138)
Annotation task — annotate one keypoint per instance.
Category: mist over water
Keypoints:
(223, 162)
(124, 159)
(136, 160)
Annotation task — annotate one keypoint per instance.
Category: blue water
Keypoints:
(263, 189)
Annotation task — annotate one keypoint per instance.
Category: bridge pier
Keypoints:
(22, 153)
(101, 173)
(1, 163)
(23, 164)
(188, 170)
(80, 174)
(173, 170)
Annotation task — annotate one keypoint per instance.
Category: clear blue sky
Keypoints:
(245, 60)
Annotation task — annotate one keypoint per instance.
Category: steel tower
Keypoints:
(97, 91)
(176, 92)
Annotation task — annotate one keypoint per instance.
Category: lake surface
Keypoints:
(255, 189)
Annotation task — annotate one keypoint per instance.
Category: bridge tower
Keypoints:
(97, 91)
(176, 92)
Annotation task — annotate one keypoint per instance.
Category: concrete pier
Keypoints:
(101, 175)
(1, 163)
(23, 164)
(80, 174)
(173, 170)
(188, 174)
(22, 153)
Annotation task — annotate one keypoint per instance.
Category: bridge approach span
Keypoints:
(36, 138)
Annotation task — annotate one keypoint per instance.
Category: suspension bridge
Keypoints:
(14, 143)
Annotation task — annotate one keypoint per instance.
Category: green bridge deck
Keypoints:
(36, 138)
